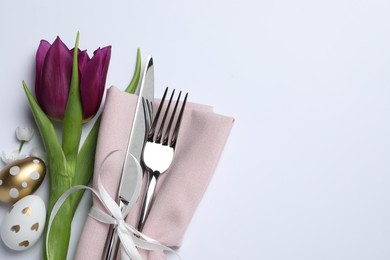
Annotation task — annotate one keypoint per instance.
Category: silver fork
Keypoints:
(160, 147)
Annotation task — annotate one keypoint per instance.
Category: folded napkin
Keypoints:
(201, 139)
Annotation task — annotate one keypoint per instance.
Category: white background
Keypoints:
(306, 172)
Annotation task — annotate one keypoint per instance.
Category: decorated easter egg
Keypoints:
(23, 225)
(21, 178)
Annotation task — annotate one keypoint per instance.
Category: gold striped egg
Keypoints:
(21, 178)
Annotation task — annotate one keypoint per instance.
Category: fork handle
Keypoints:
(148, 197)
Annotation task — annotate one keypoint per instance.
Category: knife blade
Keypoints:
(129, 179)
(137, 138)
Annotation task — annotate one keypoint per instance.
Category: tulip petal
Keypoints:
(93, 82)
(43, 48)
(55, 81)
(83, 60)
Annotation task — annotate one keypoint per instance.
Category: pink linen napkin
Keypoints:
(202, 137)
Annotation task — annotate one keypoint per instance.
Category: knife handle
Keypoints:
(111, 247)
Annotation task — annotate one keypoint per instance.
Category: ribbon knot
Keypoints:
(130, 237)
(121, 223)
(122, 227)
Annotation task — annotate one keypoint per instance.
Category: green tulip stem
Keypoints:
(21, 145)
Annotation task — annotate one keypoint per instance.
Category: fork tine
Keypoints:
(147, 105)
(154, 124)
(177, 127)
(160, 131)
(150, 109)
(168, 131)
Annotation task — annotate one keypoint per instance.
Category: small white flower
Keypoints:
(36, 152)
(24, 133)
(12, 156)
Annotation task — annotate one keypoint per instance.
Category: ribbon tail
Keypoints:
(127, 243)
(124, 255)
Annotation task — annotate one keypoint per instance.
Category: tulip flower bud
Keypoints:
(24, 133)
(53, 74)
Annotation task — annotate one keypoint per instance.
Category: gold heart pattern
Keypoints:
(35, 227)
(15, 228)
(25, 243)
(22, 227)
(27, 211)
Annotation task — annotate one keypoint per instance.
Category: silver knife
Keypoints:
(128, 183)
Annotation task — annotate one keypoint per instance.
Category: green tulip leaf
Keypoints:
(52, 145)
(86, 156)
(60, 181)
(131, 88)
(73, 120)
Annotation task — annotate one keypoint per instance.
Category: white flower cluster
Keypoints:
(23, 134)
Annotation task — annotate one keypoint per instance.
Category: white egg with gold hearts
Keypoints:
(24, 224)
(21, 178)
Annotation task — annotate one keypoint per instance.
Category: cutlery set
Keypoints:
(152, 142)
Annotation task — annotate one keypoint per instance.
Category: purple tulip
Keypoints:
(53, 74)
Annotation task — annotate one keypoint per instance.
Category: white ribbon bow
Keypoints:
(130, 237)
